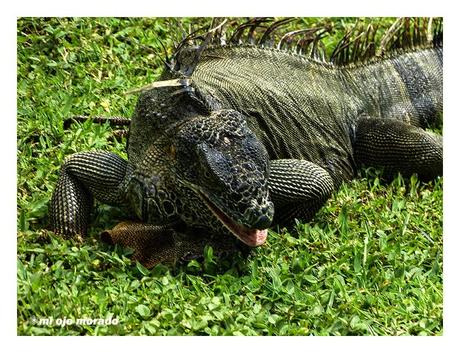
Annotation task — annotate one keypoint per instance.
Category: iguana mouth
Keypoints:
(251, 237)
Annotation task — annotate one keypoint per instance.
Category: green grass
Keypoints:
(370, 263)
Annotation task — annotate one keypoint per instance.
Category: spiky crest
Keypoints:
(358, 45)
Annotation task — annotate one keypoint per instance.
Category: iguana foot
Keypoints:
(153, 244)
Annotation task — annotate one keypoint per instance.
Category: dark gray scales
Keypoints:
(236, 137)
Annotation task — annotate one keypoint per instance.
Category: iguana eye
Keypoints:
(206, 174)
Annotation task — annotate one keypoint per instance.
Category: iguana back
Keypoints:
(299, 108)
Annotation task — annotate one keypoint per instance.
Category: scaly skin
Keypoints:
(248, 136)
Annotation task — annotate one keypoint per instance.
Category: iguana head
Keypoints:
(208, 168)
(220, 159)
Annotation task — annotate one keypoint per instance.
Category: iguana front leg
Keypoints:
(298, 188)
(398, 147)
(83, 176)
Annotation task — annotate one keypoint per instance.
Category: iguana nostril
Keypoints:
(263, 222)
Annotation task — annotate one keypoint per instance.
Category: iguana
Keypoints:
(239, 136)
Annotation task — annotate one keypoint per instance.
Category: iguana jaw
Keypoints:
(251, 237)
